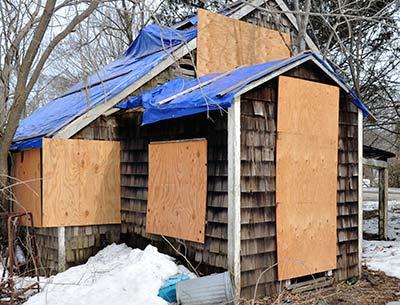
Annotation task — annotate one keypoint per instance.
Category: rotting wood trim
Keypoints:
(234, 207)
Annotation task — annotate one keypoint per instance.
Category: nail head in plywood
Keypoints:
(306, 177)
(177, 189)
(28, 187)
(225, 43)
(81, 182)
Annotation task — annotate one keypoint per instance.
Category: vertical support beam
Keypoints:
(383, 203)
(234, 192)
(61, 249)
(360, 189)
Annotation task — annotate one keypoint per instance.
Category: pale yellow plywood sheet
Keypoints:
(306, 177)
(177, 189)
(224, 43)
(81, 182)
(28, 188)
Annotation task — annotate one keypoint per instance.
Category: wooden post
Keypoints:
(61, 249)
(383, 203)
(234, 192)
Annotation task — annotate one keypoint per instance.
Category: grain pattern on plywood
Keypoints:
(81, 182)
(306, 177)
(28, 188)
(177, 189)
(224, 43)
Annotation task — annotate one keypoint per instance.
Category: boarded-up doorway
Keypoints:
(306, 177)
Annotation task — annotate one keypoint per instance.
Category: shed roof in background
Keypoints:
(370, 152)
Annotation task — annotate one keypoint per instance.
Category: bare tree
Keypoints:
(29, 32)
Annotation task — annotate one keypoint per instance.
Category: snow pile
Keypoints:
(116, 275)
(382, 256)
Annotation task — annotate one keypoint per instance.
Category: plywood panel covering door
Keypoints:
(81, 182)
(28, 184)
(177, 189)
(224, 43)
(306, 177)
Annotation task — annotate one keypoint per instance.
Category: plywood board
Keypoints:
(306, 177)
(28, 188)
(81, 182)
(177, 189)
(224, 43)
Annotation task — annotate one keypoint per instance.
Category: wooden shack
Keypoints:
(269, 188)
(266, 186)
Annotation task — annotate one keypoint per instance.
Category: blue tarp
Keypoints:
(152, 46)
(208, 97)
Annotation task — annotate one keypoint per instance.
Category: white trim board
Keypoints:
(360, 189)
(234, 193)
(282, 70)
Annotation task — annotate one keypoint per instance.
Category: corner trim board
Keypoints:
(234, 192)
(360, 189)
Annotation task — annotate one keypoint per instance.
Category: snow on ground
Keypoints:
(371, 225)
(116, 275)
(383, 255)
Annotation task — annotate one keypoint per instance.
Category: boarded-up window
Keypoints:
(81, 182)
(224, 43)
(306, 177)
(177, 189)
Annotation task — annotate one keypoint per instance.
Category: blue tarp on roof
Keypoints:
(151, 47)
(208, 97)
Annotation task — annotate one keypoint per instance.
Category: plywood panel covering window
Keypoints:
(177, 189)
(81, 182)
(28, 187)
(224, 43)
(306, 177)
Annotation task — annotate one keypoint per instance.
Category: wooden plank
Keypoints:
(81, 182)
(28, 188)
(375, 163)
(306, 177)
(177, 189)
(225, 43)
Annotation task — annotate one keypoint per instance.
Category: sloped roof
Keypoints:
(152, 46)
(153, 51)
(183, 97)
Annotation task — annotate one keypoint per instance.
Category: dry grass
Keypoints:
(375, 288)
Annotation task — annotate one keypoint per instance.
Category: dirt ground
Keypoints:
(375, 288)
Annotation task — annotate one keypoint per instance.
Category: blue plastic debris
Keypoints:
(168, 289)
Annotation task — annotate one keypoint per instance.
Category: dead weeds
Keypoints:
(375, 288)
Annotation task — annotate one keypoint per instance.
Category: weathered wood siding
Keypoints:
(258, 138)
(134, 178)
